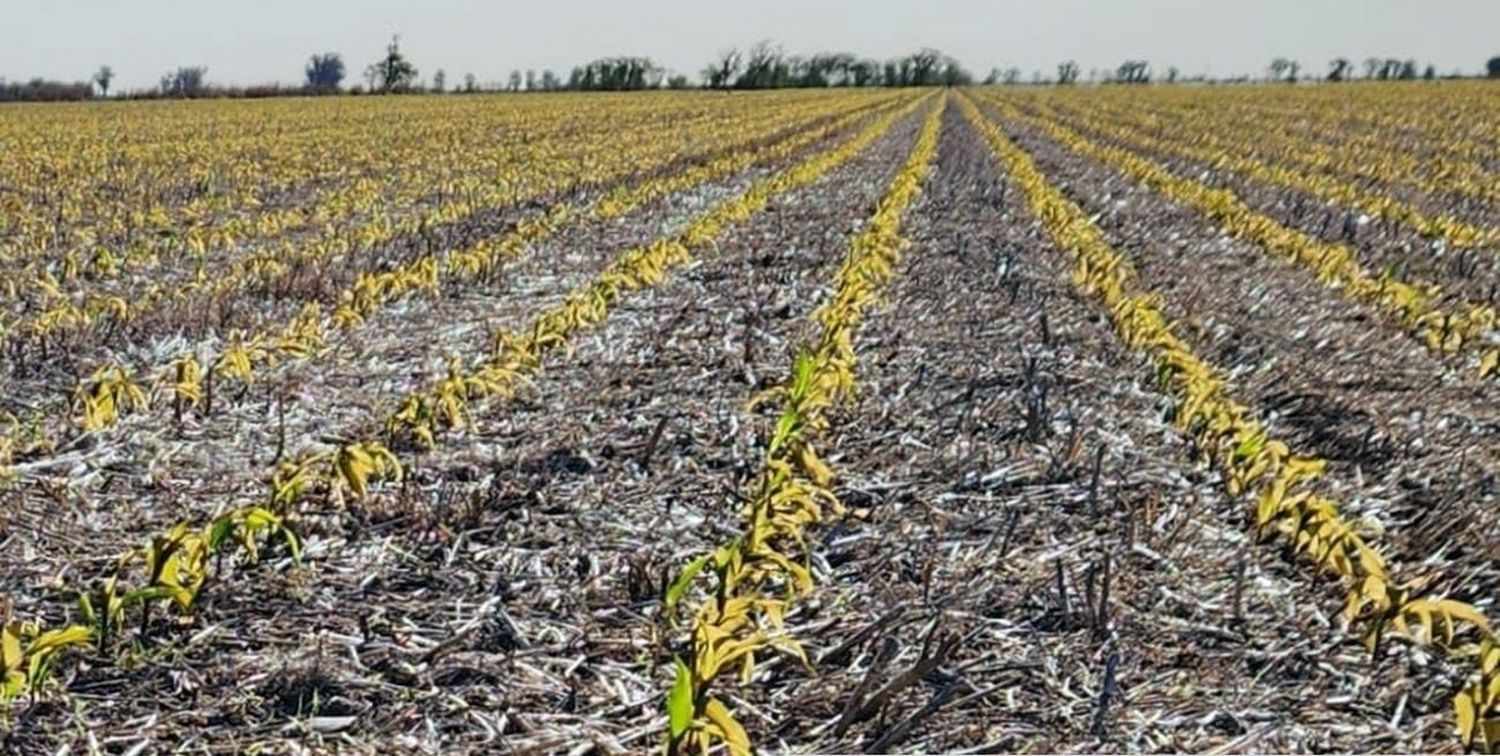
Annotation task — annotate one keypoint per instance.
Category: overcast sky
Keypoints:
(255, 41)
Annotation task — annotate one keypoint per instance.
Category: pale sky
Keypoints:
(270, 40)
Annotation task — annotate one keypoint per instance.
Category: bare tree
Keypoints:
(1338, 69)
(103, 77)
(186, 81)
(1278, 68)
(1134, 72)
(440, 81)
(765, 67)
(721, 73)
(1067, 72)
(393, 73)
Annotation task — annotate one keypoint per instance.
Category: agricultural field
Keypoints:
(965, 420)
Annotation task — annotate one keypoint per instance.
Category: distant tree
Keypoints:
(616, 75)
(1430, 72)
(186, 81)
(678, 81)
(723, 70)
(1338, 69)
(325, 72)
(515, 81)
(1278, 68)
(1067, 73)
(1012, 76)
(1373, 67)
(1394, 68)
(923, 67)
(469, 85)
(824, 70)
(530, 80)
(764, 67)
(550, 82)
(1134, 72)
(865, 73)
(103, 77)
(1172, 74)
(1492, 68)
(393, 73)
(952, 74)
(44, 90)
(440, 81)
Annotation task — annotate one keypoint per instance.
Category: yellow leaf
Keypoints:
(808, 460)
(10, 647)
(73, 635)
(734, 735)
(1465, 716)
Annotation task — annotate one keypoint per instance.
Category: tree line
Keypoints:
(762, 66)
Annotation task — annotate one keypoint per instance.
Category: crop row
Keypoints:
(1255, 464)
(758, 574)
(1416, 306)
(1235, 151)
(1437, 139)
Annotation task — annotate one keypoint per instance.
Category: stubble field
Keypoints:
(1094, 419)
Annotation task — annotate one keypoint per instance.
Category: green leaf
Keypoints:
(680, 702)
(680, 585)
(218, 531)
(86, 609)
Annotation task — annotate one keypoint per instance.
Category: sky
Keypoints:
(266, 41)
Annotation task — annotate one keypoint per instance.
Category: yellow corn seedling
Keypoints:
(27, 653)
(1241, 449)
(187, 385)
(761, 572)
(1477, 706)
(345, 472)
(174, 567)
(107, 393)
